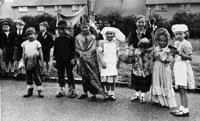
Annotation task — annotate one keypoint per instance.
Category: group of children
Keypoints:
(151, 60)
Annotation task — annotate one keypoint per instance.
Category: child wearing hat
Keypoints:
(108, 51)
(46, 40)
(162, 90)
(33, 60)
(20, 37)
(64, 55)
(7, 47)
(182, 68)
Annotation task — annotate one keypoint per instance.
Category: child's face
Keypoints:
(163, 41)
(42, 28)
(5, 28)
(85, 29)
(109, 35)
(19, 26)
(32, 37)
(141, 23)
(179, 35)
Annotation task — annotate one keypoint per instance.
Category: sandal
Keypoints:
(142, 100)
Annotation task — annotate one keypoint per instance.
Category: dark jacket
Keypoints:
(46, 41)
(19, 39)
(7, 44)
(135, 40)
(64, 48)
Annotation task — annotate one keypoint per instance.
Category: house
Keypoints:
(167, 8)
(124, 7)
(35, 7)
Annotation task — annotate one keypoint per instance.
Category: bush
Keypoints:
(34, 21)
(191, 20)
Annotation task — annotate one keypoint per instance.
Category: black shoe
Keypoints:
(40, 95)
(60, 94)
(112, 98)
(93, 99)
(181, 114)
(83, 96)
(29, 93)
(135, 98)
(106, 98)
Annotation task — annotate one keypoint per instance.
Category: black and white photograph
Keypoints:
(99, 60)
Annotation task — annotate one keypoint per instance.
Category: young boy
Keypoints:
(64, 52)
(19, 39)
(46, 40)
(7, 46)
(33, 59)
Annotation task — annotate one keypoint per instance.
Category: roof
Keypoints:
(17, 3)
(149, 2)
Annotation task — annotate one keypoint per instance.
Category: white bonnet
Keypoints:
(179, 28)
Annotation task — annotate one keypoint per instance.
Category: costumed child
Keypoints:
(46, 40)
(33, 61)
(183, 73)
(141, 82)
(108, 52)
(162, 89)
(7, 47)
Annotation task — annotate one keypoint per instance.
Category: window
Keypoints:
(40, 8)
(22, 9)
(75, 7)
(58, 8)
(161, 8)
(185, 7)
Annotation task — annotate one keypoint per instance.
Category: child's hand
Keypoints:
(73, 62)
(103, 65)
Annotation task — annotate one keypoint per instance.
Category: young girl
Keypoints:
(162, 89)
(108, 50)
(182, 69)
(32, 52)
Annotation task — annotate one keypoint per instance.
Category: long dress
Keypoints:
(88, 67)
(162, 89)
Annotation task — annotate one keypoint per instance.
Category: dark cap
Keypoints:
(5, 23)
(62, 24)
(45, 24)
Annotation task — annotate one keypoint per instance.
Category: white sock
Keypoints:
(142, 94)
(39, 87)
(137, 94)
(181, 107)
(30, 86)
(112, 93)
(109, 93)
(185, 110)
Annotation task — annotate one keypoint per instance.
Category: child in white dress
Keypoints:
(182, 69)
(108, 52)
(162, 89)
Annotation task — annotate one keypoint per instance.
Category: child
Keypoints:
(64, 54)
(139, 82)
(162, 89)
(87, 63)
(108, 50)
(32, 53)
(19, 39)
(182, 68)
(7, 46)
(46, 40)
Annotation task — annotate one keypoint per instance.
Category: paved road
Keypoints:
(16, 108)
